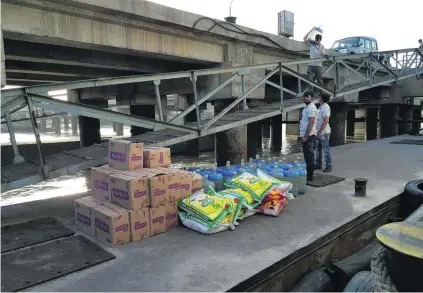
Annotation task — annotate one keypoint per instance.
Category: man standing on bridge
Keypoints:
(308, 132)
(317, 50)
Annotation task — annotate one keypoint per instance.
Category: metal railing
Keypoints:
(370, 69)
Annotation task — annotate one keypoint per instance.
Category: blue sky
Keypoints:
(338, 19)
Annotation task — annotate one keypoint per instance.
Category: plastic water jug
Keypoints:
(228, 175)
(277, 173)
(252, 164)
(205, 173)
(292, 176)
(206, 184)
(217, 179)
(315, 31)
(302, 181)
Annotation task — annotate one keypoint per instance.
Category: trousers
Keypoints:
(308, 151)
(315, 73)
(322, 146)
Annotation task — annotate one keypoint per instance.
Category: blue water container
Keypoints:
(217, 179)
(205, 172)
(228, 175)
(292, 176)
(277, 174)
(302, 181)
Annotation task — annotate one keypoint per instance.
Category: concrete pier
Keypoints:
(192, 147)
(277, 132)
(259, 135)
(74, 124)
(119, 129)
(42, 124)
(253, 139)
(337, 123)
(350, 122)
(371, 123)
(387, 117)
(231, 145)
(417, 115)
(146, 111)
(405, 114)
(89, 128)
(66, 122)
(57, 124)
(239, 260)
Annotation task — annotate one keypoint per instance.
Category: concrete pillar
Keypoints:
(192, 147)
(259, 135)
(42, 125)
(89, 128)
(2, 61)
(337, 123)
(119, 129)
(266, 128)
(277, 132)
(388, 116)
(74, 124)
(114, 126)
(417, 115)
(253, 129)
(17, 159)
(231, 145)
(405, 114)
(371, 123)
(350, 122)
(57, 125)
(146, 111)
(66, 122)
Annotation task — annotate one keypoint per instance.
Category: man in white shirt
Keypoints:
(323, 134)
(317, 50)
(308, 132)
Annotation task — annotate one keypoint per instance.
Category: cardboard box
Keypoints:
(100, 183)
(112, 223)
(125, 155)
(196, 183)
(140, 224)
(130, 190)
(157, 220)
(186, 183)
(156, 157)
(171, 209)
(84, 218)
(157, 182)
(174, 179)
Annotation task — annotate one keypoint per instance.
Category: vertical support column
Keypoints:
(388, 124)
(73, 96)
(259, 135)
(66, 122)
(350, 122)
(277, 132)
(337, 123)
(192, 147)
(89, 128)
(371, 123)
(119, 129)
(417, 115)
(42, 124)
(32, 114)
(56, 124)
(266, 128)
(252, 139)
(405, 114)
(2, 61)
(146, 111)
(231, 145)
(18, 158)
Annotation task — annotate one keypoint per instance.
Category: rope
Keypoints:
(383, 281)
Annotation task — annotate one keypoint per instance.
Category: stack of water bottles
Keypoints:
(293, 172)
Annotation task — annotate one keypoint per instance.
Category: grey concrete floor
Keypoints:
(184, 260)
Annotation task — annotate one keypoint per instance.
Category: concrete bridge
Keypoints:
(72, 41)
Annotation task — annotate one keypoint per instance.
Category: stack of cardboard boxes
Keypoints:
(135, 196)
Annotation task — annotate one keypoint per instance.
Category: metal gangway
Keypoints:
(371, 70)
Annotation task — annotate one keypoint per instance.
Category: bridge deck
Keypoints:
(15, 176)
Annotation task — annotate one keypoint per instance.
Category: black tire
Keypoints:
(414, 188)
(361, 282)
(412, 198)
(315, 281)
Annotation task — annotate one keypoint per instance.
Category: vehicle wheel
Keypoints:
(361, 282)
(412, 197)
